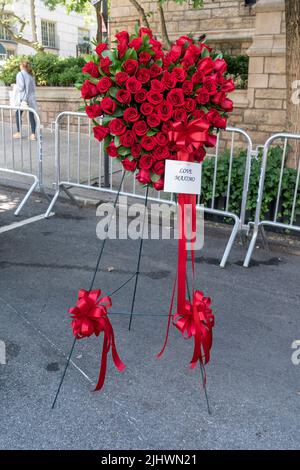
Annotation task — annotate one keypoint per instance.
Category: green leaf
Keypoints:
(113, 92)
(154, 177)
(124, 151)
(130, 54)
(205, 53)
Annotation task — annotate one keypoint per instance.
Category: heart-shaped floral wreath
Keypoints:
(147, 97)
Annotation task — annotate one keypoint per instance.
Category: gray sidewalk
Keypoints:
(253, 386)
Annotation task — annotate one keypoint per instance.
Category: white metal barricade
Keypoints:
(290, 223)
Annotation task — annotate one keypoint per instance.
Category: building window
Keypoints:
(4, 35)
(48, 34)
(83, 36)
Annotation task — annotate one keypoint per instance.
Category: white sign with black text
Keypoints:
(182, 177)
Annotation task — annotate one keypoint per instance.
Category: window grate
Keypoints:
(48, 33)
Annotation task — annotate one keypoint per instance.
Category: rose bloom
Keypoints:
(121, 78)
(153, 120)
(220, 65)
(206, 65)
(154, 97)
(228, 86)
(130, 66)
(112, 150)
(159, 185)
(176, 97)
(144, 57)
(179, 114)
(128, 139)
(183, 39)
(88, 90)
(146, 109)
(157, 85)
(140, 96)
(143, 75)
(148, 142)
(136, 150)
(123, 96)
(122, 36)
(165, 110)
(227, 105)
(91, 68)
(104, 84)
(145, 32)
(105, 62)
(100, 132)
(197, 77)
(161, 139)
(161, 153)
(210, 84)
(100, 48)
(146, 161)
(136, 43)
(199, 155)
(211, 140)
(190, 105)
(122, 48)
(93, 111)
(187, 87)
(131, 115)
(143, 176)
(108, 105)
(155, 71)
(129, 165)
(179, 73)
(133, 85)
(159, 168)
(140, 128)
(117, 126)
(203, 96)
(215, 118)
(169, 80)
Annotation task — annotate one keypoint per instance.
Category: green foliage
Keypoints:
(238, 68)
(237, 180)
(48, 69)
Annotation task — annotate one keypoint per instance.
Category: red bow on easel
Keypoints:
(90, 317)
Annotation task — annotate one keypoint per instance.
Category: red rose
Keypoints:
(179, 114)
(228, 86)
(179, 73)
(122, 36)
(148, 142)
(143, 176)
(104, 84)
(184, 39)
(169, 80)
(227, 105)
(93, 111)
(220, 65)
(129, 165)
(136, 150)
(105, 62)
(117, 126)
(211, 140)
(121, 78)
(176, 97)
(161, 153)
(146, 109)
(190, 105)
(143, 75)
(123, 96)
(128, 139)
(206, 65)
(88, 90)
(210, 84)
(145, 32)
(112, 150)
(155, 71)
(157, 85)
(187, 87)
(133, 85)
(130, 66)
(144, 57)
(197, 77)
(140, 128)
(203, 96)
(136, 43)
(108, 105)
(199, 155)
(154, 97)
(159, 185)
(91, 68)
(100, 132)
(165, 110)
(122, 48)
(216, 119)
(140, 96)
(146, 161)
(161, 139)
(199, 114)
(131, 115)
(153, 120)
(159, 168)
(101, 47)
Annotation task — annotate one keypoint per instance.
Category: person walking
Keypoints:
(25, 97)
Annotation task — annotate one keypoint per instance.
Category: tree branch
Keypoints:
(141, 12)
(164, 32)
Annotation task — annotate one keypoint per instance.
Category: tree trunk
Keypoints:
(141, 12)
(292, 8)
(164, 32)
(33, 21)
(99, 35)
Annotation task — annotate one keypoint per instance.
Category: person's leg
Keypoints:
(17, 135)
(32, 122)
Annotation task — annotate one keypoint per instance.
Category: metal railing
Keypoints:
(21, 157)
(289, 222)
(80, 163)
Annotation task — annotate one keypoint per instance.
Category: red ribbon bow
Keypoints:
(90, 317)
(189, 136)
(197, 320)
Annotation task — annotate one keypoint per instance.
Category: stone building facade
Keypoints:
(257, 30)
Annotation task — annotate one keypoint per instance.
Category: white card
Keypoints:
(182, 177)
